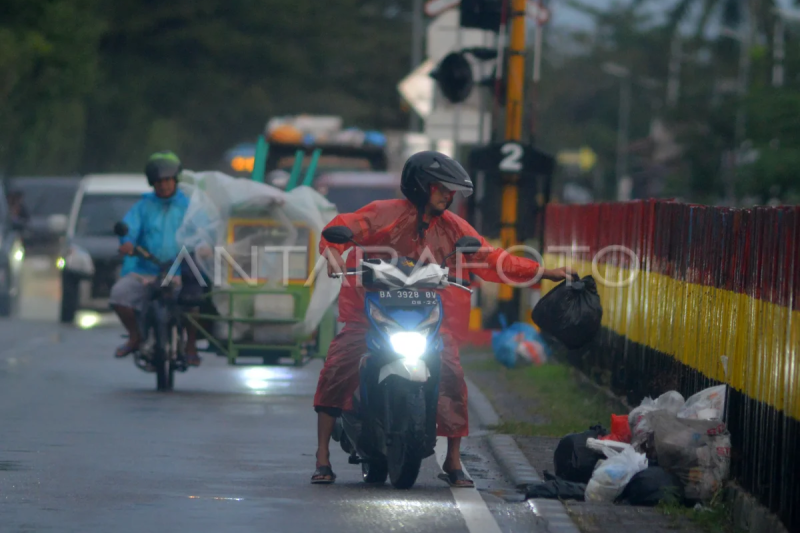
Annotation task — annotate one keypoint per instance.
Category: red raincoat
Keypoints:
(394, 224)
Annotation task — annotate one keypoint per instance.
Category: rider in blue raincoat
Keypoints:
(153, 223)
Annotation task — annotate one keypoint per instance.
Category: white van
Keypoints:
(90, 261)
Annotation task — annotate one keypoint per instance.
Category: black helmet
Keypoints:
(162, 165)
(424, 168)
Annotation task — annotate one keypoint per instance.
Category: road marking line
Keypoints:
(473, 508)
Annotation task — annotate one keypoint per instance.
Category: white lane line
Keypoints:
(476, 513)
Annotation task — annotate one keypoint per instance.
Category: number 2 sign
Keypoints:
(512, 157)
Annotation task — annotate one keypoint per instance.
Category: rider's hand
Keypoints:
(560, 274)
(336, 262)
(126, 249)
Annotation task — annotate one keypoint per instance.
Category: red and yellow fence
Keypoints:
(695, 295)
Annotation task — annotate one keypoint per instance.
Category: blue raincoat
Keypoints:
(152, 224)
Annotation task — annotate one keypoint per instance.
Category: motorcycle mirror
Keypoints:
(468, 245)
(120, 229)
(338, 235)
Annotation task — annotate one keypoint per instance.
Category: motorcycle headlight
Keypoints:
(409, 344)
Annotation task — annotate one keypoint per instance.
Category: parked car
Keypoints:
(48, 201)
(350, 191)
(90, 259)
(12, 254)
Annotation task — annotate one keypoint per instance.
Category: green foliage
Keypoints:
(48, 65)
(580, 102)
(95, 86)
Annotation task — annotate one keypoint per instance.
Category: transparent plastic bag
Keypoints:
(612, 475)
(708, 404)
(671, 402)
(697, 451)
(216, 198)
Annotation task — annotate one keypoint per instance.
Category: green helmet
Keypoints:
(162, 165)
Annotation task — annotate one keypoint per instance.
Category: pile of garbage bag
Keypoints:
(666, 449)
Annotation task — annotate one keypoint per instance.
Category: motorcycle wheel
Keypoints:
(162, 359)
(375, 472)
(404, 450)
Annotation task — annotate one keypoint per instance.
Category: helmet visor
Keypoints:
(452, 187)
(162, 170)
(167, 170)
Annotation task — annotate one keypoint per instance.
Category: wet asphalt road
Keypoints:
(86, 444)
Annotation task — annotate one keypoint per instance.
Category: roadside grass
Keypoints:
(714, 518)
(554, 396)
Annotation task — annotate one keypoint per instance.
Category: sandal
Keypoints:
(125, 350)
(192, 359)
(323, 475)
(457, 479)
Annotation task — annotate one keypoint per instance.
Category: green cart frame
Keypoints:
(300, 351)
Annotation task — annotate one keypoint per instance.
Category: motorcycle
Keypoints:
(160, 324)
(392, 426)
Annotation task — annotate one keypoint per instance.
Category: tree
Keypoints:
(47, 67)
(199, 76)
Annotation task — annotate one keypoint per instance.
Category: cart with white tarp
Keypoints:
(256, 249)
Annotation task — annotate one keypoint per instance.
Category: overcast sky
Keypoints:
(565, 16)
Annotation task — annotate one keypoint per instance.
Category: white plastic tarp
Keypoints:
(215, 198)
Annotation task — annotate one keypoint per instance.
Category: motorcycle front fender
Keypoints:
(156, 320)
(417, 372)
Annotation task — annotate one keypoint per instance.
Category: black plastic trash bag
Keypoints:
(649, 487)
(556, 488)
(573, 460)
(571, 312)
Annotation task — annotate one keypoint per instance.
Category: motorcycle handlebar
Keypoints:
(350, 272)
(457, 281)
(144, 254)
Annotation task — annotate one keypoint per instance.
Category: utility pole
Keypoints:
(457, 108)
(623, 124)
(417, 23)
(674, 81)
(745, 44)
(537, 68)
(779, 52)
(622, 136)
(508, 297)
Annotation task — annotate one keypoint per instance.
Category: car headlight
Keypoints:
(79, 260)
(410, 344)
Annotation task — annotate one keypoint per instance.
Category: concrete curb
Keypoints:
(515, 465)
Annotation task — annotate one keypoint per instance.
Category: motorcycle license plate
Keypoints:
(402, 298)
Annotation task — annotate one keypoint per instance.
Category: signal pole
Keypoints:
(515, 77)
(417, 29)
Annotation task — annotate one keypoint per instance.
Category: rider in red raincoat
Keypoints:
(420, 228)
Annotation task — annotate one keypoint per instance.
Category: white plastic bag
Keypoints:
(708, 404)
(612, 475)
(607, 447)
